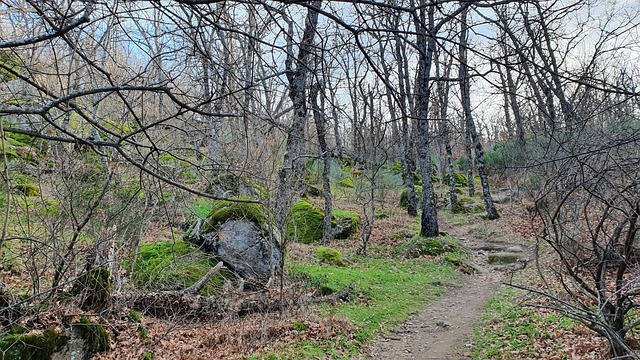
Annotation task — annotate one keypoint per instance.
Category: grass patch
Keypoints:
(389, 291)
(507, 327)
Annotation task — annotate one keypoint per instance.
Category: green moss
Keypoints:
(31, 347)
(305, 225)
(224, 210)
(454, 259)
(142, 331)
(147, 356)
(313, 191)
(95, 336)
(95, 287)
(459, 179)
(307, 220)
(28, 189)
(174, 266)
(330, 256)
(135, 316)
(347, 182)
(467, 206)
(404, 197)
(420, 246)
(300, 326)
(347, 222)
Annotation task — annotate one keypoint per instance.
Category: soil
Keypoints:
(443, 329)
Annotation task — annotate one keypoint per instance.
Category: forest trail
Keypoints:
(441, 331)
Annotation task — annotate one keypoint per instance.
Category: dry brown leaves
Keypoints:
(229, 339)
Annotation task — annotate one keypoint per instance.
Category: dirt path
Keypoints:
(439, 331)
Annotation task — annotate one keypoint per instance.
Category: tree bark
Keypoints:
(325, 156)
(426, 48)
(293, 163)
(465, 88)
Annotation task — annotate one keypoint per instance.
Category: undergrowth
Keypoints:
(387, 293)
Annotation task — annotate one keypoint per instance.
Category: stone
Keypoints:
(243, 248)
(500, 199)
(503, 258)
(515, 249)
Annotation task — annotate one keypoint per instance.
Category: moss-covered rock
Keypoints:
(420, 246)
(19, 346)
(330, 256)
(28, 189)
(96, 338)
(502, 258)
(223, 210)
(467, 206)
(344, 223)
(95, 288)
(174, 266)
(459, 179)
(404, 197)
(313, 191)
(305, 225)
(307, 220)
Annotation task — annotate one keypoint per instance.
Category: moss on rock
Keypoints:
(18, 346)
(307, 220)
(223, 210)
(420, 246)
(467, 206)
(28, 189)
(305, 225)
(404, 197)
(458, 179)
(96, 338)
(345, 223)
(174, 266)
(95, 287)
(330, 256)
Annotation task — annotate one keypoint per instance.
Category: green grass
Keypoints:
(507, 326)
(389, 291)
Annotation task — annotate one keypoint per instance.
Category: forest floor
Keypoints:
(443, 330)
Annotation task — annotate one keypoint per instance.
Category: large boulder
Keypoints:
(239, 234)
(306, 223)
(242, 246)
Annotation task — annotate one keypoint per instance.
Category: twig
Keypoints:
(195, 288)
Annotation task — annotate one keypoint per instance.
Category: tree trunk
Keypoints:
(293, 163)
(407, 162)
(465, 87)
(325, 155)
(426, 48)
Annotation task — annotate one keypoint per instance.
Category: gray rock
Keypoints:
(500, 199)
(515, 249)
(243, 248)
(503, 258)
